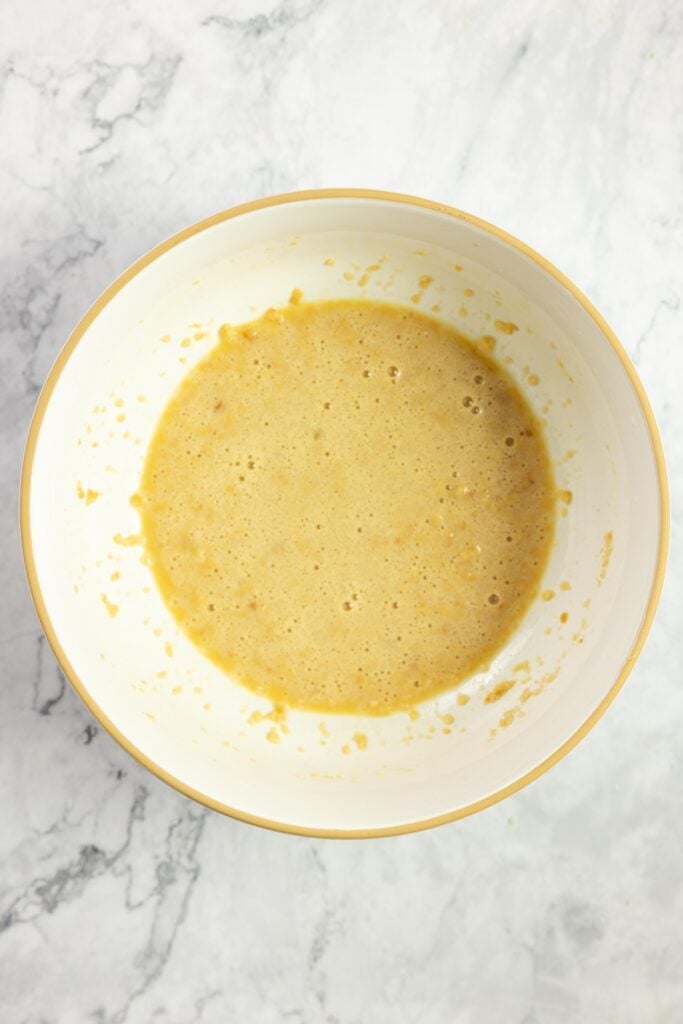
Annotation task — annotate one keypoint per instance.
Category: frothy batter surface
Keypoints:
(347, 506)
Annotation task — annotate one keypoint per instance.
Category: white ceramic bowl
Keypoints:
(179, 714)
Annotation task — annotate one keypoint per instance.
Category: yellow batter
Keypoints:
(348, 506)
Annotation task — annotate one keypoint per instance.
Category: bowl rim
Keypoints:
(80, 687)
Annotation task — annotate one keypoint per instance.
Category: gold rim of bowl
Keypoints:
(79, 685)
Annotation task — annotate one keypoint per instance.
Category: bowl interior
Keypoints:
(182, 714)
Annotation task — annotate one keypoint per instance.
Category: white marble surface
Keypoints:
(121, 902)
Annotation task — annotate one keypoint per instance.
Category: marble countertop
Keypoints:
(121, 902)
